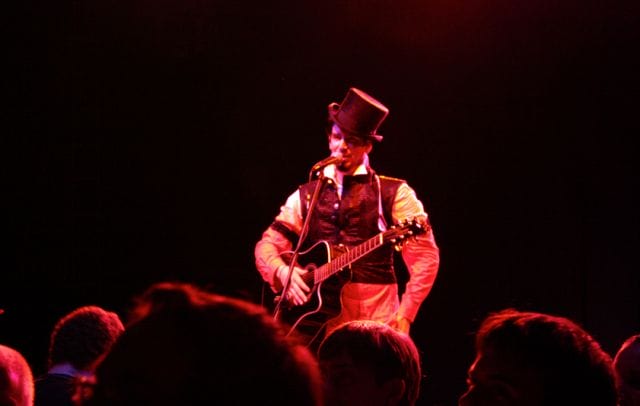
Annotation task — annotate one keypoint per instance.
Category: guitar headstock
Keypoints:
(401, 232)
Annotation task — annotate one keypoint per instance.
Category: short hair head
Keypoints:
(389, 353)
(83, 336)
(573, 367)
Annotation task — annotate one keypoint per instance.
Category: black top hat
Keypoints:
(359, 114)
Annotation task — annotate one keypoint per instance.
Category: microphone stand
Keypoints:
(303, 234)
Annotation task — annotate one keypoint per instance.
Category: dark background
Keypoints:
(155, 140)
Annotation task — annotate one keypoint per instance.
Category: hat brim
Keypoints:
(333, 110)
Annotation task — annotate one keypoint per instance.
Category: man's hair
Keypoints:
(573, 367)
(186, 346)
(16, 378)
(83, 336)
(387, 352)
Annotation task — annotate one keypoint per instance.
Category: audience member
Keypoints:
(369, 363)
(627, 366)
(186, 346)
(78, 342)
(16, 379)
(532, 359)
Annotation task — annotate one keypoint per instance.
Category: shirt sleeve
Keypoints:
(273, 243)
(420, 254)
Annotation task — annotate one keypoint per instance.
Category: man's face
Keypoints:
(495, 379)
(351, 148)
(627, 364)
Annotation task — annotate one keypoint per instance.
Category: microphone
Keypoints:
(326, 162)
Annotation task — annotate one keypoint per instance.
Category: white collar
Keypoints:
(67, 369)
(331, 171)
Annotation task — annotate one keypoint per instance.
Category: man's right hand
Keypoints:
(298, 290)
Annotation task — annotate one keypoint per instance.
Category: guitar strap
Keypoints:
(284, 230)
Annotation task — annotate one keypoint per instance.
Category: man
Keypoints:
(349, 204)
(536, 359)
(78, 343)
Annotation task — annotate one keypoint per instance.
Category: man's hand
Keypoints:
(400, 323)
(298, 290)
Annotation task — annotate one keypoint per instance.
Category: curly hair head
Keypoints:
(83, 336)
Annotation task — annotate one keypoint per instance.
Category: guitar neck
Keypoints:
(323, 272)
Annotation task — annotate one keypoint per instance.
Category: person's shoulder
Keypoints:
(52, 379)
(391, 179)
(308, 184)
(53, 389)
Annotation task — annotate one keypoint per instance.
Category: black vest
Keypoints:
(353, 220)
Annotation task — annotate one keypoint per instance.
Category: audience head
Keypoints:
(83, 337)
(627, 366)
(368, 362)
(16, 379)
(186, 346)
(528, 358)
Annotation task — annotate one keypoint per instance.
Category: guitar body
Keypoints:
(308, 320)
(328, 270)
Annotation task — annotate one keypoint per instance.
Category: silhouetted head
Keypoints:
(627, 365)
(189, 347)
(16, 379)
(528, 358)
(369, 363)
(83, 337)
